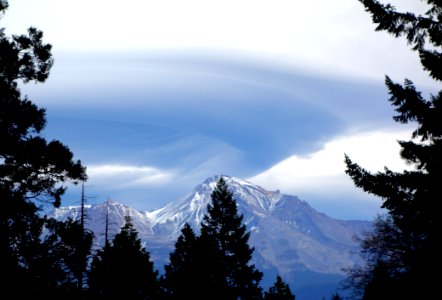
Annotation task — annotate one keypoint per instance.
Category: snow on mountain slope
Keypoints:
(191, 209)
(289, 236)
(95, 219)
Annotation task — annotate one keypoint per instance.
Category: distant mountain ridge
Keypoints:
(292, 239)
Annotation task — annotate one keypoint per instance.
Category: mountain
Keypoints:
(307, 248)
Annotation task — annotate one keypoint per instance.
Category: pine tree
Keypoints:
(180, 281)
(279, 291)
(33, 171)
(123, 270)
(71, 245)
(222, 227)
(410, 197)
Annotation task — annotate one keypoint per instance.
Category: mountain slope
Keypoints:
(286, 231)
(290, 238)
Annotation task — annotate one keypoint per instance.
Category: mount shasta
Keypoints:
(307, 248)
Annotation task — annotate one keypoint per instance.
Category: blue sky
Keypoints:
(155, 97)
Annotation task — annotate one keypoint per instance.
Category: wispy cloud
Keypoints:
(117, 175)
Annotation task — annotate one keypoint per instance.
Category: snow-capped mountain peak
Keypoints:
(191, 209)
(289, 236)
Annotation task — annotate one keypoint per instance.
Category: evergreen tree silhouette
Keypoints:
(222, 227)
(404, 246)
(33, 171)
(279, 291)
(71, 246)
(123, 270)
(180, 280)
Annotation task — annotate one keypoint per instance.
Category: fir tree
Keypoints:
(403, 247)
(180, 281)
(223, 225)
(279, 291)
(123, 270)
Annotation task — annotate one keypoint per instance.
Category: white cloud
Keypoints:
(321, 174)
(328, 36)
(118, 176)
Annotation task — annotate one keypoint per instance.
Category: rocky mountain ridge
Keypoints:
(290, 237)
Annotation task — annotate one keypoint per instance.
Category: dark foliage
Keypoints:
(215, 264)
(31, 170)
(30, 167)
(123, 270)
(181, 274)
(384, 251)
(223, 225)
(279, 291)
(403, 246)
(73, 244)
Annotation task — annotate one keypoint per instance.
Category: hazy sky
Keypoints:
(156, 96)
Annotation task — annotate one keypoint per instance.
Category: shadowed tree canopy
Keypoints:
(215, 264)
(279, 291)
(68, 245)
(123, 270)
(404, 244)
(180, 279)
(30, 166)
(223, 227)
(31, 170)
